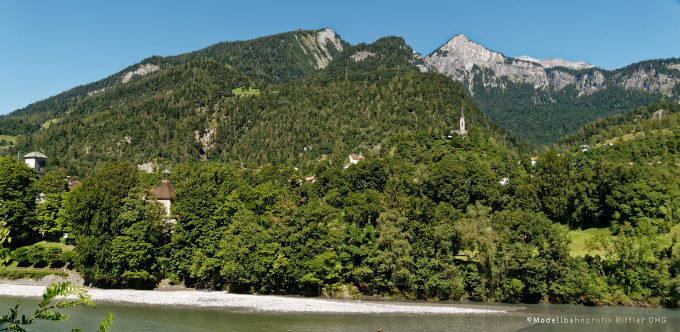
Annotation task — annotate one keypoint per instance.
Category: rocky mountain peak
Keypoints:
(458, 39)
(459, 56)
(461, 48)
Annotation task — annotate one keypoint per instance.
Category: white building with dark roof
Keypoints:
(165, 192)
(36, 161)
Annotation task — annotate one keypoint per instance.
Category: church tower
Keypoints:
(462, 130)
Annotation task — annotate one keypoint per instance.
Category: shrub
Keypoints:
(36, 254)
(28, 274)
(52, 254)
(68, 257)
(20, 256)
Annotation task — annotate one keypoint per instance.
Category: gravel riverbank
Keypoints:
(267, 303)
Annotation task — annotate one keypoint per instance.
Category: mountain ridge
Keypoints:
(543, 103)
(189, 111)
(457, 58)
(534, 102)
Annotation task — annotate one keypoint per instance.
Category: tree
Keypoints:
(553, 182)
(393, 261)
(18, 195)
(118, 233)
(52, 187)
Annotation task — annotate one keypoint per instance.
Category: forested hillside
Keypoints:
(264, 202)
(544, 116)
(648, 119)
(278, 58)
(191, 112)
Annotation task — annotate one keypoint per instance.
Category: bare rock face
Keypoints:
(142, 70)
(317, 45)
(361, 55)
(658, 114)
(419, 61)
(459, 56)
(149, 167)
(649, 79)
(206, 138)
(588, 83)
(465, 61)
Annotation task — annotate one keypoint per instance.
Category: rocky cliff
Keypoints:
(322, 45)
(464, 61)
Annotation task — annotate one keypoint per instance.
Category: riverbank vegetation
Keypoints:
(424, 217)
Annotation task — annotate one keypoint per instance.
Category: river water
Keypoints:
(517, 318)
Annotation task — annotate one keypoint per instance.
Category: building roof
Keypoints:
(165, 190)
(73, 184)
(35, 154)
(356, 156)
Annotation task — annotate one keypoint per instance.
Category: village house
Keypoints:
(308, 179)
(36, 161)
(165, 192)
(354, 158)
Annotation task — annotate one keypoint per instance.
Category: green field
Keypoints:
(577, 247)
(630, 137)
(675, 232)
(8, 139)
(243, 92)
(624, 138)
(47, 123)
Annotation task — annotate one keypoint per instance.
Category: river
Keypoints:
(523, 317)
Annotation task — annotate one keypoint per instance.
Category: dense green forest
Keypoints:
(425, 217)
(543, 116)
(279, 58)
(188, 112)
(275, 59)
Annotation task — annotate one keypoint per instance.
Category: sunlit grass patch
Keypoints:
(243, 92)
(577, 247)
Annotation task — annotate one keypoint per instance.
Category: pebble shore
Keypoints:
(267, 303)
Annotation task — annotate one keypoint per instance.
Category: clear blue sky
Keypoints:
(47, 47)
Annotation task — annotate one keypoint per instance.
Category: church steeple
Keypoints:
(462, 130)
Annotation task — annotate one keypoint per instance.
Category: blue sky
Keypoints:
(47, 47)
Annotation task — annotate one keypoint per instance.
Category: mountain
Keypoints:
(643, 124)
(275, 59)
(279, 58)
(543, 100)
(193, 107)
